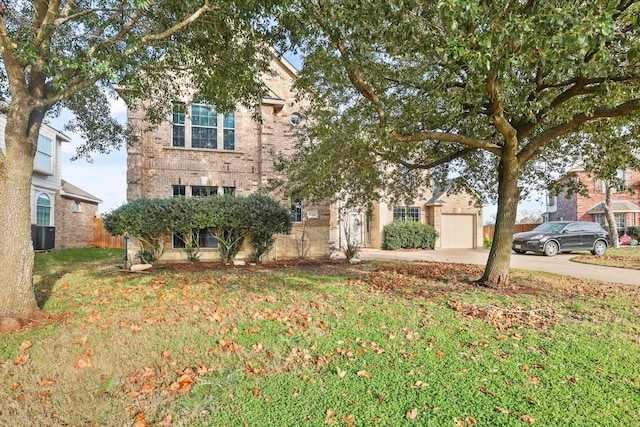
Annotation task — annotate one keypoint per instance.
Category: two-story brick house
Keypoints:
(61, 213)
(199, 151)
(591, 207)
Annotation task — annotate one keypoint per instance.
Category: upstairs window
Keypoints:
(199, 125)
(44, 155)
(229, 131)
(204, 126)
(179, 120)
(75, 206)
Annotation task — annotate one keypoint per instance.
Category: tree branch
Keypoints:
(174, 29)
(537, 143)
(448, 137)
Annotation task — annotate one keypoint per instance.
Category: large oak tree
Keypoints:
(73, 53)
(494, 92)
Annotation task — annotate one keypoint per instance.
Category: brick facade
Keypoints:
(154, 166)
(576, 207)
(74, 229)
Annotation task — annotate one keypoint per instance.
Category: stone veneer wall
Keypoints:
(74, 229)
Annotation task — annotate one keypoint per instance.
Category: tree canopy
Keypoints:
(500, 93)
(73, 54)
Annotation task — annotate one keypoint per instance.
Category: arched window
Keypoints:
(43, 210)
(75, 207)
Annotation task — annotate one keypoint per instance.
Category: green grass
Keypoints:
(389, 344)
(623, 257)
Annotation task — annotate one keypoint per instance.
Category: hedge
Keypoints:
(409, 235)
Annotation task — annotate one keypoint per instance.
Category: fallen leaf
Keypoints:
(21, 360)
(47, 382)
(485, 391)
(15, 386)
(348, 418)
(504, 411)
(166, 354)
(25, 345)
(83, 362)
(534, 380)
(412, 414)
(139, 420)
(364, 373)
(184, 383)
(81, 341)
(440, 353)
(256, 392)
(527, 419)
(257, 347)
(340, 372)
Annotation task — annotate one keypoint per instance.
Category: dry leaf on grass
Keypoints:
(21, 360)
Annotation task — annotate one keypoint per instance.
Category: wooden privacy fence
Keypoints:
(102, 238)
(489, 230)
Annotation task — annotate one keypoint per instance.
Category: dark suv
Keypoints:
(552, 237)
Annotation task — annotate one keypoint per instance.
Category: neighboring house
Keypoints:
(591, 207)
(75, 213)
(55, 224)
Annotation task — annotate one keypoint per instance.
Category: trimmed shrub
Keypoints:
(264, 217)
(409, 235)
(147, 219)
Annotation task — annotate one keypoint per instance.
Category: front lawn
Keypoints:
(323, 343)
(624, 257)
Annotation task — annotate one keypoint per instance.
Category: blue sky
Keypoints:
(106, 176)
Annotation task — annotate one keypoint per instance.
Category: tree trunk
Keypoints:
(496, 273)
(17, 297)
(611, 218)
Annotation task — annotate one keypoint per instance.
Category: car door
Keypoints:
(571, 238)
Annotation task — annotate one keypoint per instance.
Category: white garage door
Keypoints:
(457, 231)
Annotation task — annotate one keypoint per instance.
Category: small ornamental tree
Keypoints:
(227, 224)
(188, 217)
(265, 217)
(146, 219)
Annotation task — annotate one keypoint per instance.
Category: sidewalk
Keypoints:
(559, 264)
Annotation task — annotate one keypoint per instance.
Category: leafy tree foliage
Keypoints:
(230, 218)
(265, 217)
(73, 54)
(147, 219)
(500, 93)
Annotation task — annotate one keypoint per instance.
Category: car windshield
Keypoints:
(550, 226)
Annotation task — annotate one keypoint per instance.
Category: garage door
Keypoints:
(457, 231)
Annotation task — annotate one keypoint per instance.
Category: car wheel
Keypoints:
(599, 248)
(551, 249)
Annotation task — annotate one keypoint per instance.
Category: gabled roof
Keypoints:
(456, 185)
(70, 191)
(616, 206)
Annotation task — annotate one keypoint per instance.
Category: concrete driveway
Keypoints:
(560, 264)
